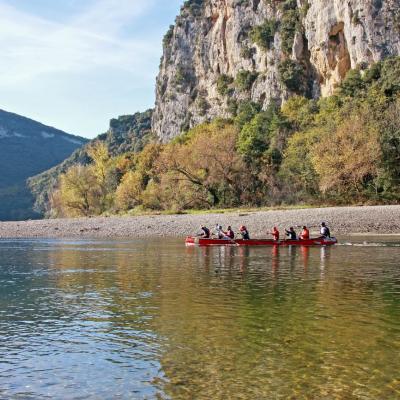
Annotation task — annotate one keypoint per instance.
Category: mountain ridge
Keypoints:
(27, 147)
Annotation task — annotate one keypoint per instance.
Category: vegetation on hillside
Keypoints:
(27, 147)
(338, 150)
(127, 133)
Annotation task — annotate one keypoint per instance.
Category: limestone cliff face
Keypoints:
(222, 52)
(349, 34)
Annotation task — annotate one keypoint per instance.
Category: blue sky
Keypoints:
(75, 64)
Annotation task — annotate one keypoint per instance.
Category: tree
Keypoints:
(245, 79)
(389, 140)
(128, 193)
(263, 35)
(292, 76)
(77, 194)
(346, 159)
(353, 85)
(246, 112)
(101, 170)
(224, 84)
(289, 26)
(207, 161)
(297, 170)
(254, 137)
(145, 162)
(300, 112)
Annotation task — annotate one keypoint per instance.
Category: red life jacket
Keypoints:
(305, 234)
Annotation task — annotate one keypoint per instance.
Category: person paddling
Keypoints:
(205, 232)
(325, 232)
(230, 233)
(219, 232)
(275, 233)
(305, 233)
(291, 233)
(244, 232)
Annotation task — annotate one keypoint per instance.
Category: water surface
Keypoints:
(150, 319)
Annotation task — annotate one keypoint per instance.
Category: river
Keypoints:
(143, 319)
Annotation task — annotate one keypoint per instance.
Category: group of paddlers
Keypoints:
(220, 233)
(229, 234)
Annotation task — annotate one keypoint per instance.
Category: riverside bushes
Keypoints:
(340, 149)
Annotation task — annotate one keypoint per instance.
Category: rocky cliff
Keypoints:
(220, 53)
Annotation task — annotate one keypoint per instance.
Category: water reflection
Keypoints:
(146, 320)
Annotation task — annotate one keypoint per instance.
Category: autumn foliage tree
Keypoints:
(77, 194)
(130, 190)
(347, 159)
(207, 160)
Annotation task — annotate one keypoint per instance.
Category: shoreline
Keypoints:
(342, 221)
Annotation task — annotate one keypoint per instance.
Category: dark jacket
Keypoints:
(292, 235)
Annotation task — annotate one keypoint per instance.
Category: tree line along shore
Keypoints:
(339, 150)
(342, 221)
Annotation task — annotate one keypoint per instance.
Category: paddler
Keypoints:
(305, 233)
(205, 232)
(325, 232)
(230, 233)
(275, 233)
(244, 232)
(220, 233)
(291, 233)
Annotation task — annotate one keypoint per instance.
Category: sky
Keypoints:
(75, 64)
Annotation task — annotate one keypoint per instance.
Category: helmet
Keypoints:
(323, 224)
(242, 228)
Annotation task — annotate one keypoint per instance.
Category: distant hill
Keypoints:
(27, 148)
(127, 133)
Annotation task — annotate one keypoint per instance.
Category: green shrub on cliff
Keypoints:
(263, 35)
(224, 83)
(245, 79)
(168, 36)
(194, 7)
(290, 24)
(292, 75)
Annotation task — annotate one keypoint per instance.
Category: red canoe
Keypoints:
(196, 241)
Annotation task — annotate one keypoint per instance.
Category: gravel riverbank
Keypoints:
(342, 220)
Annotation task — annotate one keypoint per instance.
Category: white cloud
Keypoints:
(74, 64)
(32, 46)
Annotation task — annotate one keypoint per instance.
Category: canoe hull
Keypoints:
(194, 241)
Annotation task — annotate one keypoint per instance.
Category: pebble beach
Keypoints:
(342, 220)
